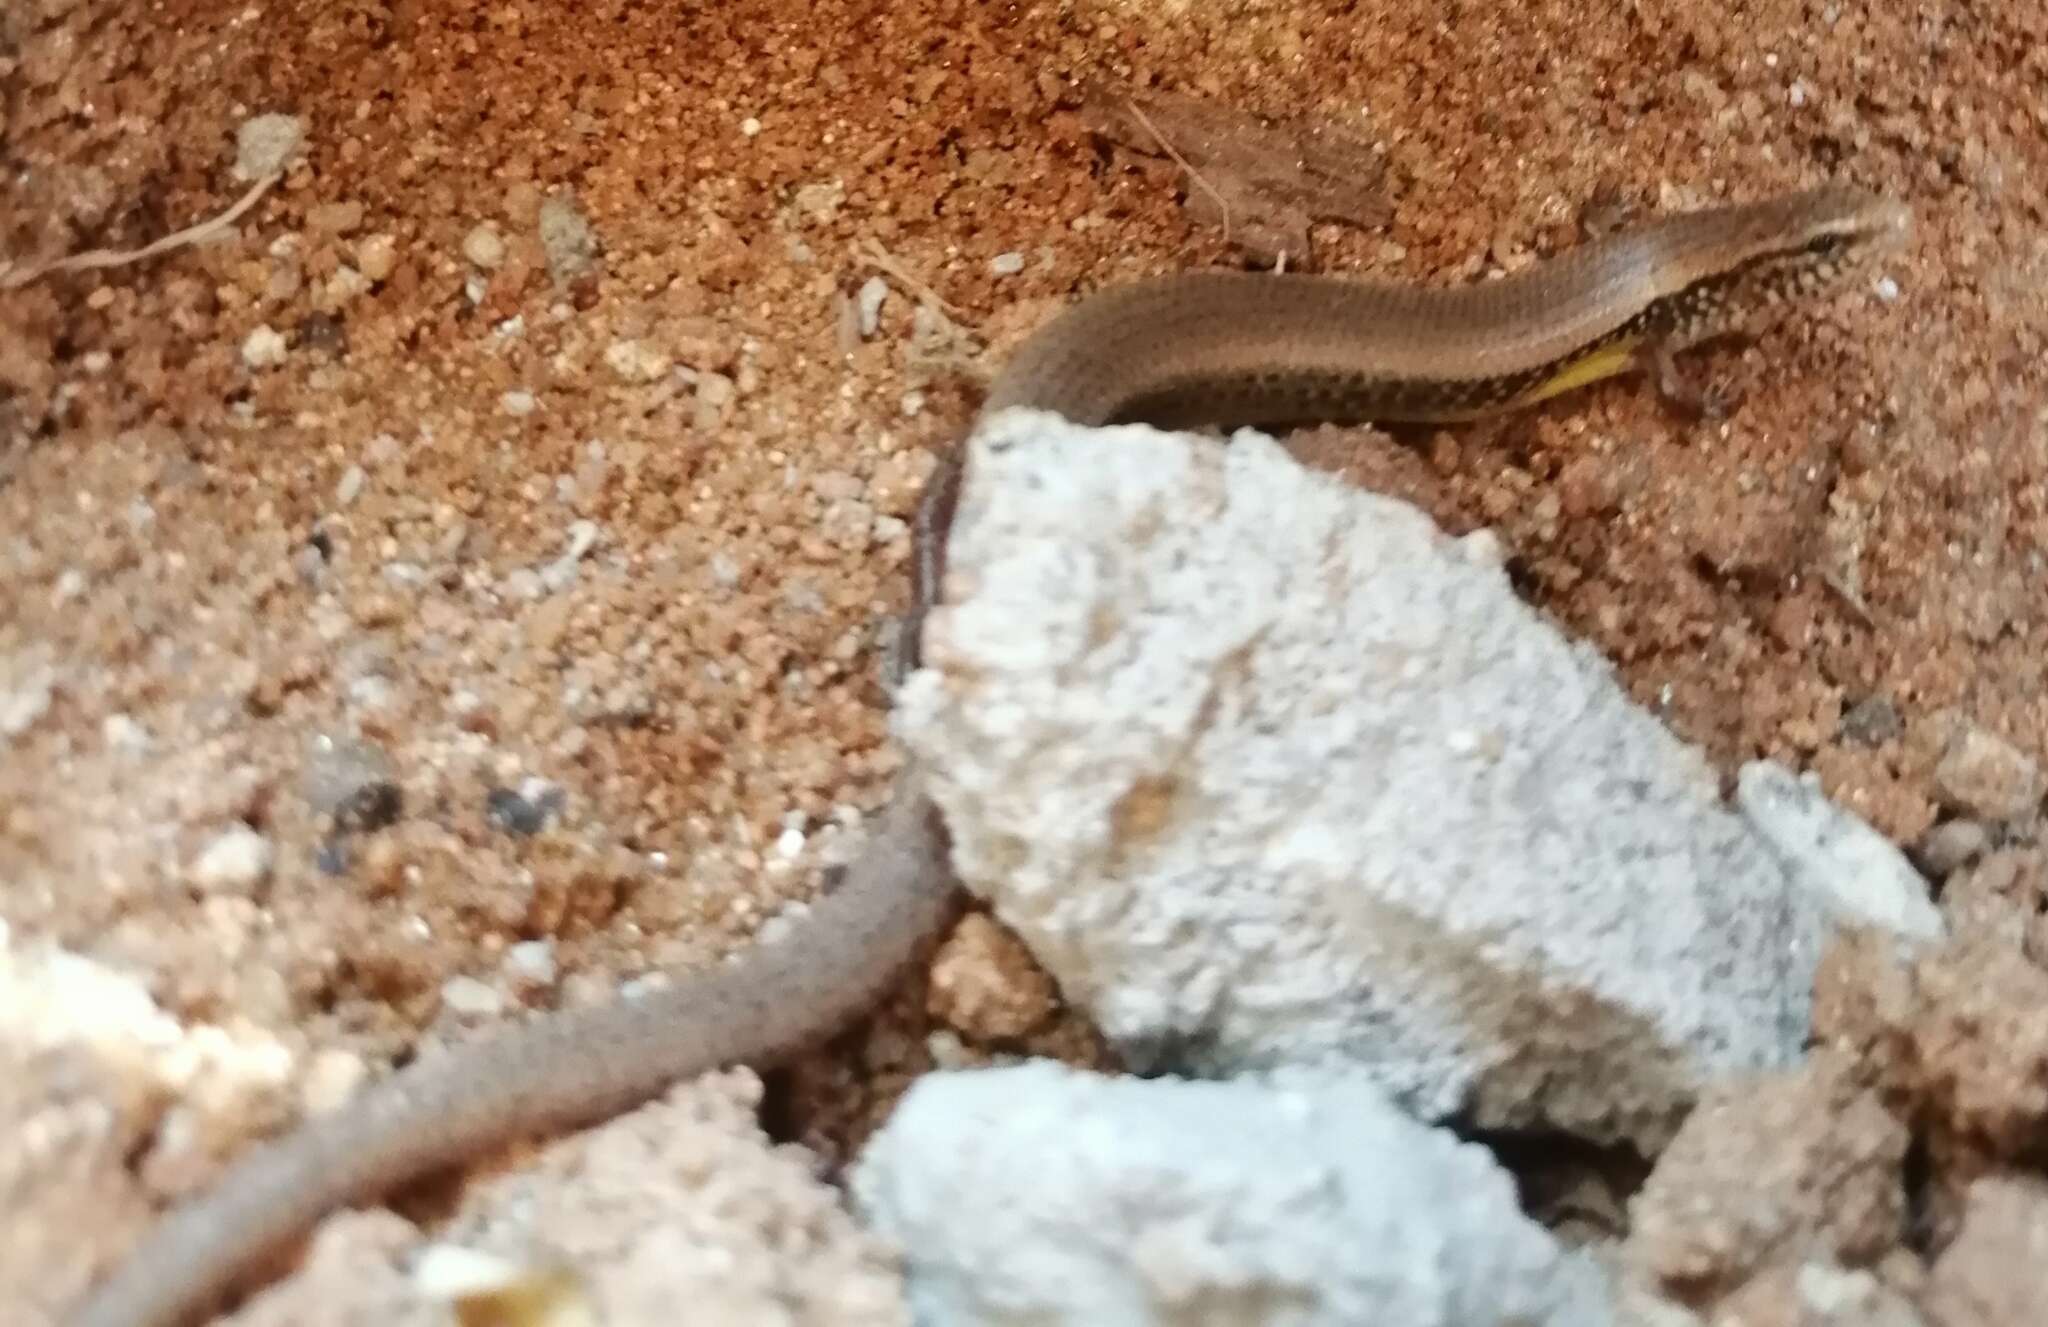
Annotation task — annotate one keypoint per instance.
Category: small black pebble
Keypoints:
(512, 813)
(1872, 721)
(372, 806)
(323, 332)
(333, 857)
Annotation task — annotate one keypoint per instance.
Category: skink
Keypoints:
(1200, 348)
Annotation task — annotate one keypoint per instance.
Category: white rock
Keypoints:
(1271, 773)
(470, 1000)
(532, 962)
(121, 733)
(27, 686)
(867, 303)
(54, 1000)
(266, 144)
(1854, 870)
(263, 348)
(1042, 1194)
(236, 862)
(636, 361)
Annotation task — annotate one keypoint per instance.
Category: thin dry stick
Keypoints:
(1222, 205)
(14, 278)
(883, 261)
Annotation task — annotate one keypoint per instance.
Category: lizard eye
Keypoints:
(1826, 246)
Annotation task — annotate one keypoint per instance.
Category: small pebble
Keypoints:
(333, 857)
(331, 1080)
(236, 862)
(346, 284)
(1985, 776)
(820, 202)
(334, 218)
(377, 257)
(518, 403)
(351, 781)
(263, 348)
(714, 395)
(636, 361)
(522, 583)
(1006, 264)
(322, 332)
(514, 814)
(122, 733)
(750, 126)
(1872, 722)
(350, 486)
(468, 998)
(265, 145)
(484, 247)
(532, 963)
(566, 239)
(867, 304)
(1950, 846)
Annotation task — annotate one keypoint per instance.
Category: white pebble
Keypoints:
(345, 285)
(518, 403)
(1006, 264)
(350, 487)
(484, 247)
(868, 304)
(1798, 94)
(265, 144)
(750, 126)
(263, 348)
(790, 844)
(331, 1080)
(236, 861)
(532, 962)
(122, 733)
(1887, 289)
(466, 997)
(636, 361)
(523, 583)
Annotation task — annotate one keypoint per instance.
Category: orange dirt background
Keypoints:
(1866, 530)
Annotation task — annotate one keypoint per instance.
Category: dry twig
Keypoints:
(13, 277)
